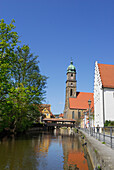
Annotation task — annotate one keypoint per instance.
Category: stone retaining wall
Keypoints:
(102, 156)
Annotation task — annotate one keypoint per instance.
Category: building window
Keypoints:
(71, 74)
(70, 92)
(78, 115)
(73, 115)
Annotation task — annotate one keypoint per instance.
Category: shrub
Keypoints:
(109, 123)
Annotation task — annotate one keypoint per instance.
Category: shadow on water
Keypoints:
(49, 150)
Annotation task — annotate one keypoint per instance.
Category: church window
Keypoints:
(70, 92)
(71, 74)
(73, 115)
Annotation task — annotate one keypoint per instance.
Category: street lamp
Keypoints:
(89, 103)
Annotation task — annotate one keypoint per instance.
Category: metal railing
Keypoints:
(103, 134)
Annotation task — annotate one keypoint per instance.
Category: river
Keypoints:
(58, 150)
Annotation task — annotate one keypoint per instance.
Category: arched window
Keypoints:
(70, 92)
(72, 114)
(71, 75)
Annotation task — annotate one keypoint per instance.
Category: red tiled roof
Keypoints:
(81, 101)
(42, 106)
(107, 75)
(47, 106)
(61, 115)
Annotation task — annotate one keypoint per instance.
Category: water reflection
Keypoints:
(73, 154)
(43, 151)
(17, 154)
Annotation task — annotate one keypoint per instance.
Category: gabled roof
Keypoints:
(41, 107)
(107, 75)
(61, 115)
(81, 101)
(48, 106)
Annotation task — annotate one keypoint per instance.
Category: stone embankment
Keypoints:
(102, 156)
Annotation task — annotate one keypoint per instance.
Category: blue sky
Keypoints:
(57, 30)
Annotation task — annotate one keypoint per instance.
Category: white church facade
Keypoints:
(103, 94)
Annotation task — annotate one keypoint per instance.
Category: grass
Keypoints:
(99, 167)
(95, 151)
(75, 130)
(103, 143)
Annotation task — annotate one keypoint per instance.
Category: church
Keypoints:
(76, 103)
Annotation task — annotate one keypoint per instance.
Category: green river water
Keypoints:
(57, 150)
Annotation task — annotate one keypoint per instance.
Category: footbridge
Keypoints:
(57, 123)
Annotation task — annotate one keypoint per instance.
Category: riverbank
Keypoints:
(101, 156)
(8, 133)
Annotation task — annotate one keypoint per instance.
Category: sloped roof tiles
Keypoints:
(81, 101)
(107, 75)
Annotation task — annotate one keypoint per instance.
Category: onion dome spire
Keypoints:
(71, 68)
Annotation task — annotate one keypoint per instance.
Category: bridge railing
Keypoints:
(103, 134)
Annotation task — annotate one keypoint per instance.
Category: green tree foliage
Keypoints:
(22, 86)
(109, 123)
(8, 41)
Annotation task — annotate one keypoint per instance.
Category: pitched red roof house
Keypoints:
(61, 115)
(47, 106)
(81, 101)
(107, 75)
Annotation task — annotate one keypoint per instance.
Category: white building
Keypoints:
(103, 93)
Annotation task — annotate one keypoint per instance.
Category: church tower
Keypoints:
(70, 86)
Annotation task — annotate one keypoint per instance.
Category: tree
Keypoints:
(8, 42)
(22, 86)
(28, 90)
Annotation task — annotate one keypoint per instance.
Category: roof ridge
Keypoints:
(100, 73)
(106, 64)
